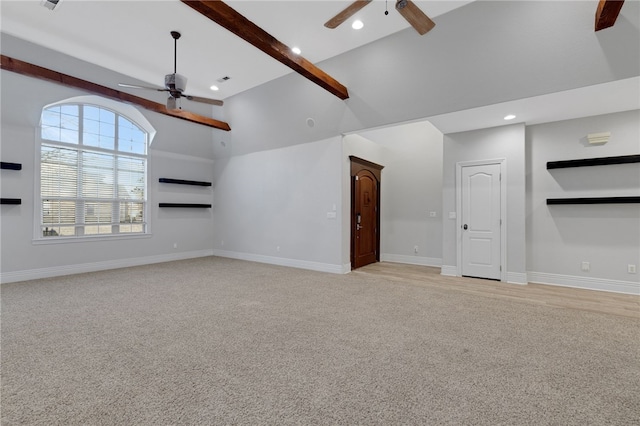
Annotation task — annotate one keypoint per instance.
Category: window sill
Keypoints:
(87, 239)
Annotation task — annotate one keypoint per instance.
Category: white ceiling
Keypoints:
(133, 37)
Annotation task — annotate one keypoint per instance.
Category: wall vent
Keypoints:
(50, 4)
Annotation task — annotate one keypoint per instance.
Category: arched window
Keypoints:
(93, 169)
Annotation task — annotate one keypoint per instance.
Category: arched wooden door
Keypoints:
(365, 212)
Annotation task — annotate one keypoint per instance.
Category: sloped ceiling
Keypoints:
(133, 37)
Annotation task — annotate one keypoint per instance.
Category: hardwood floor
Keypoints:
(561, 297)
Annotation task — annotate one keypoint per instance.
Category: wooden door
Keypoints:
(365, 212)
(481, 221)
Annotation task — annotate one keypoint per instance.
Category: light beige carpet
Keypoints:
(220, 341)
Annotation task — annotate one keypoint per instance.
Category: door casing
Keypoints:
(503, 211)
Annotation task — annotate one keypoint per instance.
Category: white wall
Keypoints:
(561, 237)
(272, 206)
(21, 258)
(506, 142)
(411, 190)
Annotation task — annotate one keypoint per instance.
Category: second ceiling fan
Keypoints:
(408, 9)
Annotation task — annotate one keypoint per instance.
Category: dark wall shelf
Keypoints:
(10, 166)
(184, 182)
(186, 205)
(596, 200)
(602, 161)
(13, 201)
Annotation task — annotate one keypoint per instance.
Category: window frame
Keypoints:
(129, 114)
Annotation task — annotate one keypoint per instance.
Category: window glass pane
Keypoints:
(131, 228)
(99, 127)
(69, 110)
(107, 116)
(131, 212)
(97, 213)
(131, 178)
(51, 133)
(57, 212)
(91, 112)
(131, 137)
(60, 124)
(69, 122)
(58, 231)
(51, 117)
(97, 175)
(58, 172)
(98, 229)
(91, 126)
(68, 136)
(107, 142)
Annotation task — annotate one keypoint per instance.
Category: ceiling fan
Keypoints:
(408, 9)
(175, 83)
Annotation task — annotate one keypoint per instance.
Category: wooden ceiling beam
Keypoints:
(228, 18)
(35, 71)
(607, 13)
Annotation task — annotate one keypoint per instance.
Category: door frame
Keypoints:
(502, 162)
(357, 164)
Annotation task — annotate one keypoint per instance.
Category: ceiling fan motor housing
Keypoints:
(175, 82)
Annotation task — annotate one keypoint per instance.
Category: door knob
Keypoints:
(464, 226)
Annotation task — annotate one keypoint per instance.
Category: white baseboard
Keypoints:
(281, 261)
(600, 284)
(517, 278)
(449, 271)
(56, 271)
(411, 260)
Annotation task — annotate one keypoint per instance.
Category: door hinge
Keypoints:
(357, 177)
(500, 177)
(500, 268)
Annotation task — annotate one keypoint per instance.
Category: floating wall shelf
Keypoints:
(184, 182)
(186, 205)
(596, 200)
(13, 201)
(10, 166)
(602, 161)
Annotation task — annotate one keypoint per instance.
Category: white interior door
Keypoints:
(481, 221)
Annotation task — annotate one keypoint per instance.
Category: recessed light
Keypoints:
(357, 24)
(296, 50)
(509, 117)
(214, 87)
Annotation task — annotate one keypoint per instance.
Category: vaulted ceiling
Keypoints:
(133, 37)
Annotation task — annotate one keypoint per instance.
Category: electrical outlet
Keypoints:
(631, 269)
(278, 248)
(432, 214)
(586, 266)
(221, 243)
(175, 245)
(415, 249)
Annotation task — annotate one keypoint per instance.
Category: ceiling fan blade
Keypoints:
(203, 100)
(133, 86)
(416, 17)
(347, 13)
(171, 103)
